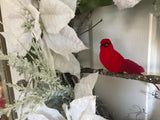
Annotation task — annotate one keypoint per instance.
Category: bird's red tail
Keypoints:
(131, 67)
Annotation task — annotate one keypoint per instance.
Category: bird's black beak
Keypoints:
(104, 45)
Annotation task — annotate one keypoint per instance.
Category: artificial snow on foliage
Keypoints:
(45, 113)
(85, 86)
(122, 4)
(55, 15)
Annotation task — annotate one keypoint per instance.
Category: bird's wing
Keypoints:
(131, 67)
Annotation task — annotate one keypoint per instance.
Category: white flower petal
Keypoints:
(37, 117)
(14, 19)
(85, 86)
(51, 114)
(65, 108)
(70, 65)
(55, 15)
(87, 116)
(35, 14)
(78, 106)
(122, 4)
(16, 47)
(45, 113)
(65, 42)
(72, 4)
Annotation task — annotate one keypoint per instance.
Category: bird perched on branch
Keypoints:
(114, 61)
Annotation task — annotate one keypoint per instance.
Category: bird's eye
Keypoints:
(107, 43)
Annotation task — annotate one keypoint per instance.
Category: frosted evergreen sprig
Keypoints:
(43, 83)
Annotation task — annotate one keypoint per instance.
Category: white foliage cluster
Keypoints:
(47, 22)
(42, 83)
(51, 20)
(122, 4)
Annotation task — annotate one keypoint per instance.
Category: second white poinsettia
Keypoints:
(84, 105)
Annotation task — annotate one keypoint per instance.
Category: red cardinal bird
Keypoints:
(114, 62)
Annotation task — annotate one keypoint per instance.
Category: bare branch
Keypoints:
(92, 27)
(155, 79)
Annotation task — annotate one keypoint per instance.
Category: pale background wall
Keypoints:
(128, 30)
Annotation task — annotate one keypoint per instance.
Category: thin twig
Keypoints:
(155, 79)
(91, 27)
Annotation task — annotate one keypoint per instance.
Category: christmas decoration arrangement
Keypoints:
(43, 47)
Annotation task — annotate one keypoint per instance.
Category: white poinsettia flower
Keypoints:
(45, 113)
(122, 4)
(82, 109)
(65, 42)
(55, 15)
(77, 107)
(85, 86)
(84, 105)
(18, 24)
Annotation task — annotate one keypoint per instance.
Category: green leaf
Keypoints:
(86, 5)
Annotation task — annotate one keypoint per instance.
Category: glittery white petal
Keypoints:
(69, 64)
(65, 42)
(122, 4)
(85, 86)
(87, 116)
(14, 20)
(16, 47)
(45, 113)
(55, 15)
(72, 4)
(78, 106)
